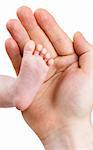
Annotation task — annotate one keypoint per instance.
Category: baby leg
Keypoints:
(6, 91)
(35, 65)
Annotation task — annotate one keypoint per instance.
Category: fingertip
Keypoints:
(11, 23)
(39, 10)
(8, 24)
(78, 35)
(81, 45)
(23, 9)
(11, 46)
(41, 14)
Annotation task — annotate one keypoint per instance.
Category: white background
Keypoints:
(72, 15)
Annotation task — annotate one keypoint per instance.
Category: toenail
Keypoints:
(44, 51)
(39, 47)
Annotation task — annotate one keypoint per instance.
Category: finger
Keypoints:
(14, 53)
(18, 33)
(28, 21)
(85, 52)
(65, 62)
(57, 36)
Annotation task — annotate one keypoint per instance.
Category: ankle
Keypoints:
(18, 97)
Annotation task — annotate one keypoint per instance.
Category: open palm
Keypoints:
(67, 92)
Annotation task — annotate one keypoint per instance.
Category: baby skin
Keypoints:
(21, 91)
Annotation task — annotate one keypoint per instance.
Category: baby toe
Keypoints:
(43, 52)
(50, 62)
(47, 56)
(38, 49)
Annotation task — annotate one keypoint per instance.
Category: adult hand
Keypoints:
(65, 98)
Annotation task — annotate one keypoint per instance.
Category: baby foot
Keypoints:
(35, 65)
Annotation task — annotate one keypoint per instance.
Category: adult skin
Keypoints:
(60, 113)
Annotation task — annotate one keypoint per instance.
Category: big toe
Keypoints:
(29, 47)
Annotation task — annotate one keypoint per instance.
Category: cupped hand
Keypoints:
(66, 95)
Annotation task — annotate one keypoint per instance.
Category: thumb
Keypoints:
(85, 52)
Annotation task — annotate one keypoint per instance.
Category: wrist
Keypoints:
(76, 136)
